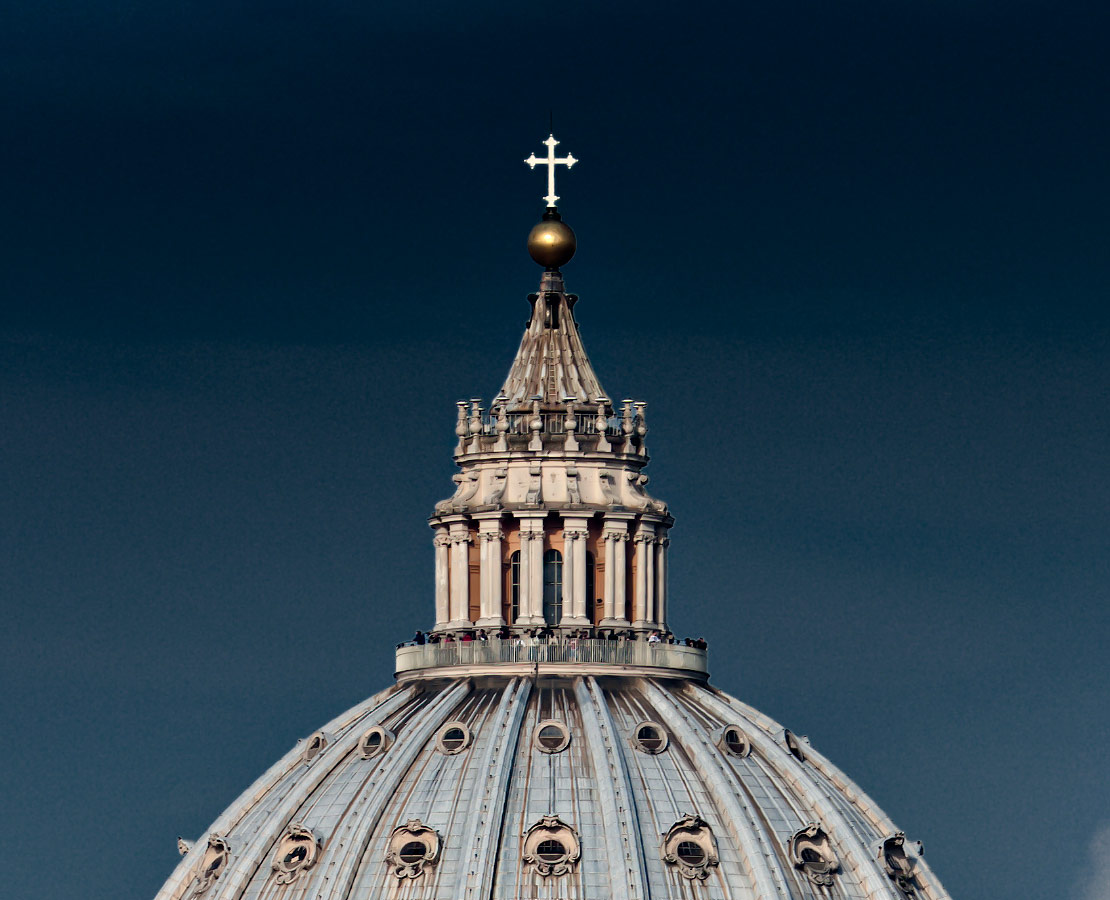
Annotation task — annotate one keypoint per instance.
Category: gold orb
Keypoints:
(552, 243)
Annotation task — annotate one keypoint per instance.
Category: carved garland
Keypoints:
(552, 847)
(899, 864)
(412, 847)
(212, 864)
(690, 847)
(296, 853)
(812, 852)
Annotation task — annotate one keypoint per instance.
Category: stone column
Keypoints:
(616, 591)
(575, 533)
(531, 571)
(460, 575)
(490, 534)
(661, 545)
(641, 601)
(442, 544)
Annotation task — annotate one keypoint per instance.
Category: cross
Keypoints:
(550, 162)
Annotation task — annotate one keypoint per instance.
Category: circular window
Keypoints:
(412, 852)
(551, 736)
(375, 741)
(794, 745)
(454, 737)
(733, 741)
(551, 851)
(650, 737)
(690, 853)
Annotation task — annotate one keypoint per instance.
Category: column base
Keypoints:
(614, 623)
(531, 620)
(457, 625)
(490, 622)
(575, 622)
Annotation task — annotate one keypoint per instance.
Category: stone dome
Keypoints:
(550, 739)
(553, 786)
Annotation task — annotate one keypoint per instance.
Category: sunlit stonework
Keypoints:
(549, 737)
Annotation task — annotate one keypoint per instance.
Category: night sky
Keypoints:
(853, 255)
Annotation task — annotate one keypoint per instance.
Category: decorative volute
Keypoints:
(551, 523)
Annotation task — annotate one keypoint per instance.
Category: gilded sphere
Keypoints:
(552, 243)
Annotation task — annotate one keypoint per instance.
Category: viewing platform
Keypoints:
(575, 656)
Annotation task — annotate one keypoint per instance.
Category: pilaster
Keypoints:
(661, 546)
(615, 535)
(442, 544)
(531, 571)
(644, 540)
(575, 533)
(490, 535)
(460, 575)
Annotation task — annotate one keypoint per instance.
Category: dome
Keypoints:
(550, 738)
(637, 785)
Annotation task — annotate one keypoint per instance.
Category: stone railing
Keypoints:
(568, 656)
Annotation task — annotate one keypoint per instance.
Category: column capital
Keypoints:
(441, 540)
(487, 536)
(575, 533)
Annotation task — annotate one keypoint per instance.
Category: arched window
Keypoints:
(552, 586)
(514, 587)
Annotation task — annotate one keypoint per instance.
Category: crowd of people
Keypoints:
(550, 634)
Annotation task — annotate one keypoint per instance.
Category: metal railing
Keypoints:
(568, 652)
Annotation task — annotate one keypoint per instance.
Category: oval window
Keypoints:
(551, 851)
(454, 737)
(650, 737)
(412, 852)
(733, 741)
(551, 736)
(690, 853)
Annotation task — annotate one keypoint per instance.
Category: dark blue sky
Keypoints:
(855, 258)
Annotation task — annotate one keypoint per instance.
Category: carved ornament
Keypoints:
(412, 847)
(212, 864)
(296, 853)
(689, 846)
(811, 852)
(552, 847)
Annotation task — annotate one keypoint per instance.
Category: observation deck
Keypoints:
(581, 656)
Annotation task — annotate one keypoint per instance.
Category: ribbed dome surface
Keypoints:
(327, 814)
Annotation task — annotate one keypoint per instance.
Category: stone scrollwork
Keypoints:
(689, 846)
(212, 864)
(899, 858)
(296, 853)
(812, 853)
(412, 847)
(552, 847)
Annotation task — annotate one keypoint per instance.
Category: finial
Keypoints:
(551, 162)
(551, 243)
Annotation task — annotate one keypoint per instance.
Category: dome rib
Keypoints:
(615, 791)
(395, 765)
(755, 847)
(485, 820)
(179, 883)
(867, 870)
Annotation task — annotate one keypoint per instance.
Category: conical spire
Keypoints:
(551, 363)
